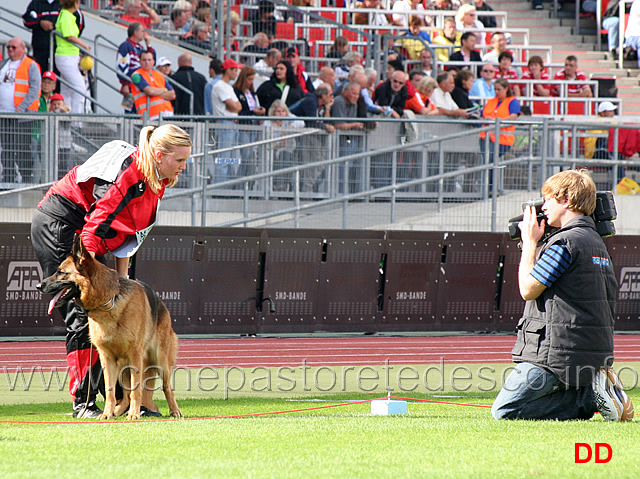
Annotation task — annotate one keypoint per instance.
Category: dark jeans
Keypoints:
(531, 392)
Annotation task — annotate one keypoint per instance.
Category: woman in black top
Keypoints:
(464, 82)
(282, 85)
(247, 97)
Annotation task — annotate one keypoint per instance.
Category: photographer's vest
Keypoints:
(157, 104)
(21, 87)
(568, 329)
(493, 110)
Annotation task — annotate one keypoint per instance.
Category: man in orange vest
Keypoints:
(151, 90)
(19, 93)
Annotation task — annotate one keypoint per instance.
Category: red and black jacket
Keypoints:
(105, 214)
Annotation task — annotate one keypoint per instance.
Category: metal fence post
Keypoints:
(546, 144)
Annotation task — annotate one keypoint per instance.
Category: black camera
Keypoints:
(603, 216)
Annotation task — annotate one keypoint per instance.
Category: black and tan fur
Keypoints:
(123, 328)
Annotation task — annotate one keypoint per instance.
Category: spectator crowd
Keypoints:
(268, 75)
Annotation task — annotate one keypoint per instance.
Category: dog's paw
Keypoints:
(104, 417)
(177, 414)
(132, 416)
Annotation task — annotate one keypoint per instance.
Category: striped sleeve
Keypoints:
(554, 261)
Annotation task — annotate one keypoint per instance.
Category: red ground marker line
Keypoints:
(273, 352)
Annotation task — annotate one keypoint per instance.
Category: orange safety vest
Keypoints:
(493, 110)
(21, 87)
(157, 104)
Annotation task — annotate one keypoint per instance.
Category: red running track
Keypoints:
(329, 351)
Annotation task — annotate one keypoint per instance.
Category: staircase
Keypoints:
(560, 33)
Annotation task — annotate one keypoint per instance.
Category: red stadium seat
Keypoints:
(285, 31)
(351, 36)
(314, 34)
(575, 108)
(330, 15)
(541, 108)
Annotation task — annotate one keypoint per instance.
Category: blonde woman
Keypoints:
(67, 55)
(421, 103)
(111, 201)
(283, 151)
(467, 21)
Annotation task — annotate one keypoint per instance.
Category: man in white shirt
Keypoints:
(264, 67)
(499, 45)
(442, 99)
(225, 104)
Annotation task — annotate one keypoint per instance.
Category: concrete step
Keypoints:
(628, 82)
(519, 6)
(604, 72)
(526, 21)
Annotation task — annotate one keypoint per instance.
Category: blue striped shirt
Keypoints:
(554, 261)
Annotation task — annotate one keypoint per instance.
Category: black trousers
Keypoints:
(52, 241)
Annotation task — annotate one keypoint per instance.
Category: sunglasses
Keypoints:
(488, 71)
(398, 82)
(11, 47)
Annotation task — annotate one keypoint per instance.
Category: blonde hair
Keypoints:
(574, 185)
(164, 138)
(278, 104)
(463, 10)
(427, 84)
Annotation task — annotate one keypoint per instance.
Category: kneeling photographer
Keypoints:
(564, 347)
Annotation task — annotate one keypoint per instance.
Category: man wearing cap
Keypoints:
(304, 80)
(597, 147)
(163, 65)
(606, 109)
(128, 60)
(225, 104)
(19, 92)
(192, 81)
(151, 92)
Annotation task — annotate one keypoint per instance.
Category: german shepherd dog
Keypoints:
(128, 324)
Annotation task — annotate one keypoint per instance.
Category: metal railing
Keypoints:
(436, 175)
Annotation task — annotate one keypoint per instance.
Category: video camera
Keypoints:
(603, 216)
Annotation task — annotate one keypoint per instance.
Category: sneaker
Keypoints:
(90, 412)
(618, 389)
(611, 400)
(146, 412)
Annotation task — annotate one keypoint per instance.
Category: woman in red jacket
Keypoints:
(111, 201)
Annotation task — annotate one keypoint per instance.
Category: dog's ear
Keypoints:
(79, 252)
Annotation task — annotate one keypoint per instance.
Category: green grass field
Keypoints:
(433, 440)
